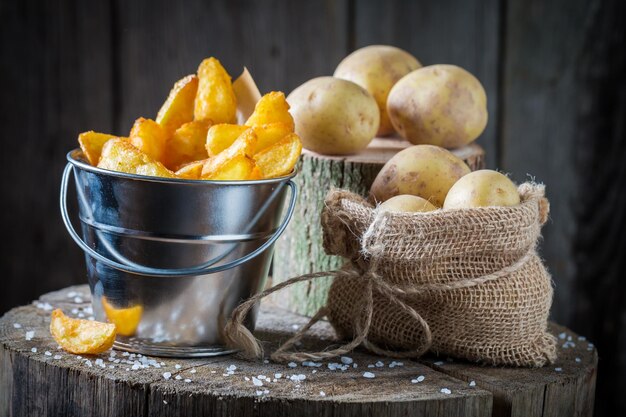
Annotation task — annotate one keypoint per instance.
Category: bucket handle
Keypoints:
(158, 272)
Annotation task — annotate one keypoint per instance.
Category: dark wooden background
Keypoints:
(554, 73)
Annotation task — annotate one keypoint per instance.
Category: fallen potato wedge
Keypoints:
(215, 99)
(186, 144)
(178, 108)
(119, 155)
(269, 134)
(192, 170)
(81, 336)
(281, 158)
(125, 320)
(91, 144)
(241, 167)
(149, 137)
(221, 136)
(272, 108)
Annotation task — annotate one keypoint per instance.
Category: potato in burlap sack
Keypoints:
(462, 282)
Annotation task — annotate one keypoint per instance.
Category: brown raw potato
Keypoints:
(407, 203)
(483, 188)
(423, 170)
(334, 116)
(441, 105)
(377, 68)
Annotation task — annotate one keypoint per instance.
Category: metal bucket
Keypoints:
(176, 256)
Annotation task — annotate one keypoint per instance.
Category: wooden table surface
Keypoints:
(37, 378)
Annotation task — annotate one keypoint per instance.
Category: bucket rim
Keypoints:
(74, 157)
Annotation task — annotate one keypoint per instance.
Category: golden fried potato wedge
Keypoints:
(125, 320)
(215, 99)
(272, 108)
(243, 146)
(178, 108)
(91, 144)
(221, 136)
(119, 155)
(192, 170)
(281, 158)
(270, 134)
(149, 137)
(186, 144)
(240, 167)
(81, 336)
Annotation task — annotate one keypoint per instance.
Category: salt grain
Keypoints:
(346, 360)
(34, 350)
(29, 335)
(246, 378)
(472, 383)
(17, 325)
(558, 369)
(292, 364)
(278, 376)
(577, 360)
(167, 375)
(445, 391)
(134, 367)
(47, 353)
(177, 366)
(562, 335)
(72, 294)
(187, 380)
(57, 357)
(178, 377)
(78, 300)
(368, 375)
(230, 368)
(438, 363)
(418, 379)
(322, 394)
(257, 382)
(379, 364)
(193, 371)
(370, 366)
(164, 402)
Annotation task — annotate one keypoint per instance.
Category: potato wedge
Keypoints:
(240, 167)
(192, 170)
(119, 155)
(81, 336)
(91, 144)
(242, 146)
(272, 108)
(149, 137)
(125, 319)
(215, 99)
(186, 144)
(281, 158)
(221, 136)
(178, 108)
(270, 134)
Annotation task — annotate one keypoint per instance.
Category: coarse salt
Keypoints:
(47, 353)
(577, 360)
(346, 360)
(472, 383)
(193, 371)
(231, 368)
(418, 379)
(29, 335)
(558, 369)
(278, 376)
(17, 325)
(292, 364)
(178, 377)
(34, 350)
(57, 357)
(379, 364)
(322, 394)
(445, 391)
(368, 375)
(78, 300)
(438, 363)
(257, 382)
(177, 366)
(167, 375)
(187, 380)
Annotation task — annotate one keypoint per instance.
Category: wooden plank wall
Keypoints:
(553, 71)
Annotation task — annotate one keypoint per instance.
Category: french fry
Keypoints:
(81, 336)
(243, 146)
(149, 137)
(281, 158)
(119, 155)
(215, 99)
(221, 136)
(91, 144)
(192, 170)
(178, 108)
(270, 134)
(272, 108)
(240, 167)
(186, 144)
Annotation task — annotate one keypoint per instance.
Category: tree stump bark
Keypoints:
(37, 378)
(299, 251)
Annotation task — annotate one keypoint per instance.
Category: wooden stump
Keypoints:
(300, 251)
(37, 378)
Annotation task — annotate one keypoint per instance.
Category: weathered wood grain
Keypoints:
(300, 251)
(463, 33)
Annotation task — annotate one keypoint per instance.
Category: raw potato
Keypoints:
(81, 336)
(186, 144)
(272, 108)
(407, 203)
(91, 144)
(178, 108)
(441, 105)
(119, 155)
(423, 170)
(281, 158)
(334, 116)
(215, 99)
(149, 137)
(377, 68)
(482, 188)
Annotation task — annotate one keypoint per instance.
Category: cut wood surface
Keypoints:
(299, 251)
(37, 378)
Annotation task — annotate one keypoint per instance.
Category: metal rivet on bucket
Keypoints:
(184, 253)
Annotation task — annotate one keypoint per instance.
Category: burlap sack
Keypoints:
(465, 283)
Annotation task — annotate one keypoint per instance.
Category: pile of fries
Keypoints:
(195, 135)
